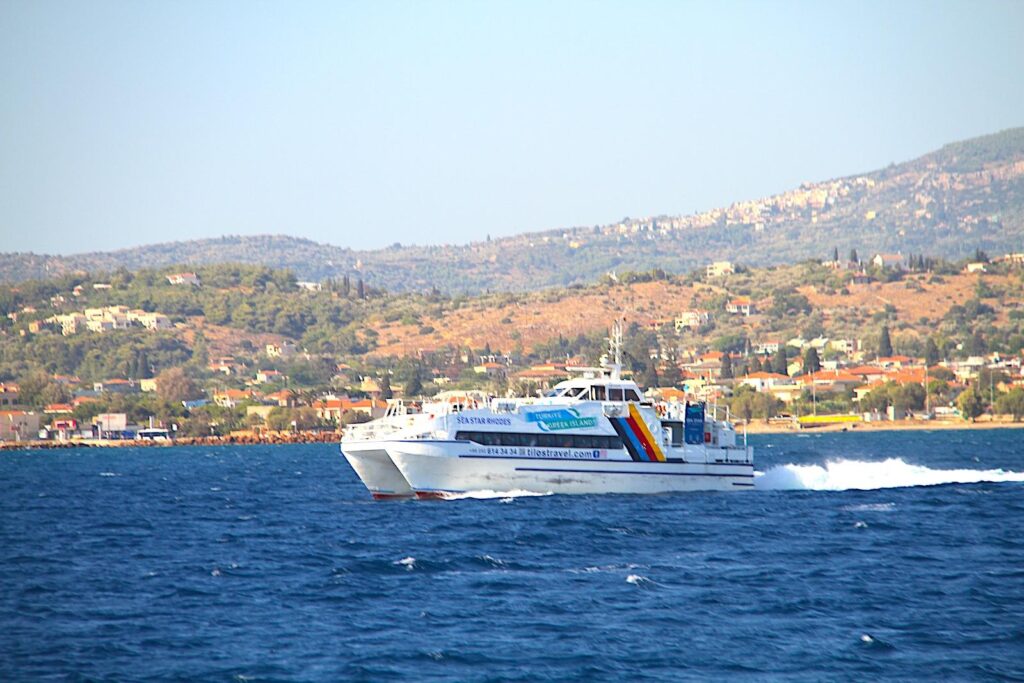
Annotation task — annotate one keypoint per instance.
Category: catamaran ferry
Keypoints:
(591, 434)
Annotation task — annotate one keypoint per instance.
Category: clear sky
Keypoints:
(364, 124)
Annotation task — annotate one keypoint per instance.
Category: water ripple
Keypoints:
(863, 557)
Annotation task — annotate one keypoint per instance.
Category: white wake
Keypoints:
(841, 475)
(486, 494)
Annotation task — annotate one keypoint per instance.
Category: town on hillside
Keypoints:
(246, 351)
(963, 196)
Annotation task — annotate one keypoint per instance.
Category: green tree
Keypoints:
(672, 377)
(414, 387)
(200, 351)
(743, 402)
(884, 343)
(755, 364)
(781, 363)
(931, 352)
(305, 418)
(786, 301)
(812, 363)
(1011, 403)
(54, 392)
(285, 419)
(174, 385)
(878, 399)
(279, 419)
(32, 387)
(970, 403)
(385, 387)
(350, 417)
(197, 424)
(649, 375)
(767, 406)
(727, 366)
(977, 346)
(743, 405)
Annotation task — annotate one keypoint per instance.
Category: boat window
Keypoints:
(615, 393)
(631, 395)
(676, 432)
(597, 393)
(584, 441)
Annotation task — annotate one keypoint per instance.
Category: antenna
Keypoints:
(616, 342)
(615, 349)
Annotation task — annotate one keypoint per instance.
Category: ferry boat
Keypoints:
(591, 434)
(363, 445)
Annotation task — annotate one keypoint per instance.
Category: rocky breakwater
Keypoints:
(233, 439)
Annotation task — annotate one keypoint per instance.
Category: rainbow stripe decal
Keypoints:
(637, 438)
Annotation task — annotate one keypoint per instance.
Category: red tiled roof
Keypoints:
(866, 370)
(831, 376)
(232, 393)
(766, 375)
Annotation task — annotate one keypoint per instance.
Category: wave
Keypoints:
(640, 581)
(485, 494)
(841, 475)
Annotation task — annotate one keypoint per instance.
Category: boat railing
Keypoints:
(386, 426)
(504, 405)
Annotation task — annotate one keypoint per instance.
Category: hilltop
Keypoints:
(965, 196)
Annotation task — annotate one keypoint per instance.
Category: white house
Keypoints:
(692, 320)
(283, 350)
(892, 261)
(763, 381)
(719, 268)
(742, 306)
(184, 279)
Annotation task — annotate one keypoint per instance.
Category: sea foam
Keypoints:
(841, 475)
(485, 494)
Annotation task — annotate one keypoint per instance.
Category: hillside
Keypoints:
(916, 306)
(239, 310)
(81, 343)
(965, 196)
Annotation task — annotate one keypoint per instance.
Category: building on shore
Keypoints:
(18, 425)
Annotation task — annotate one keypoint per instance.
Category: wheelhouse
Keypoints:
(596, 389)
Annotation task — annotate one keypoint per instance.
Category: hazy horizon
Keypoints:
(362, 125)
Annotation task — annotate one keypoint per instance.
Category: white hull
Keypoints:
(432, 469)
(375, 468)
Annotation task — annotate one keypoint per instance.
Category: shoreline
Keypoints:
(288, 438)
(236, 439)
(759, 427)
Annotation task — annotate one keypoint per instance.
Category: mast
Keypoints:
(615, 350)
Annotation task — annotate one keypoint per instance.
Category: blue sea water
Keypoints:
(273, 564)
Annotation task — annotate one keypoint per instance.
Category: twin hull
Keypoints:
(426, 468)
(374, 467)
